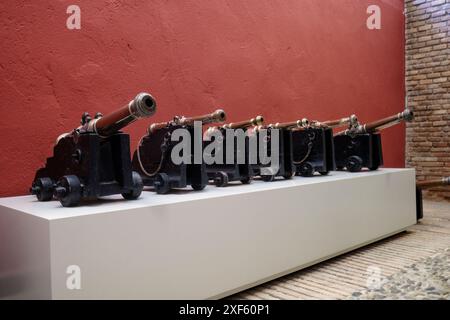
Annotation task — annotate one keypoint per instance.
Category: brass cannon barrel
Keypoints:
(302, 123)
(217, 116)
(258, 120)
(350, 121)
(444, 181)
(158, 126)
(142, 106)
(253, 122)
(406, 115)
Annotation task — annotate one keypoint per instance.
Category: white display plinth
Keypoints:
(196, 244)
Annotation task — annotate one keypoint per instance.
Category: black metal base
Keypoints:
(155, 151)
(313, 151)
(357, 152)
(87, 168)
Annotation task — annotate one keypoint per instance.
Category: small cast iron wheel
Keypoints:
(289, 175)
(68, 191)
(307, 169)
(43, 189)
(268, 178)
(354, 164)
(324, 173)
(162, 183)
(373, 168)
(198, 187)
(137, 187)
(221, 179)
(246, 180)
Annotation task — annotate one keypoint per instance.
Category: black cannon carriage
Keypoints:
(264, 135)
(152, 158)
(237, 170)
(313, 151)
(312, 146)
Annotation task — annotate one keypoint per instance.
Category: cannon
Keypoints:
(239, 168)
(427, 184)
(350, 121)
(153, 160)
(359, 146)
(94, 159)
(312, 146)
(264, 136)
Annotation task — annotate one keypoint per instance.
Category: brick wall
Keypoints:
(428, 90)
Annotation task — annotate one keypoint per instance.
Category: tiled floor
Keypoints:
(339, 277)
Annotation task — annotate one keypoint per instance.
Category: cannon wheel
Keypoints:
(307, 169)
(137, 187)
(68, 191)
(373, 168)
(162, 183)
(43, 189)
(268, 178)
(221, 179)
(289, 175)
(324, 173)
(354, 164)
(246, 180)
(198, 187)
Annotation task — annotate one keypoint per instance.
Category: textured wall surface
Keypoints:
(285, 59)
(428, 89)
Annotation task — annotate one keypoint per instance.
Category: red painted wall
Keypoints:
(284, 59)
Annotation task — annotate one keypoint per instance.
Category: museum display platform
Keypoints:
(196, 244)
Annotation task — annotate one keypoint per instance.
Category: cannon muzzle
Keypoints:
(142, 106)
